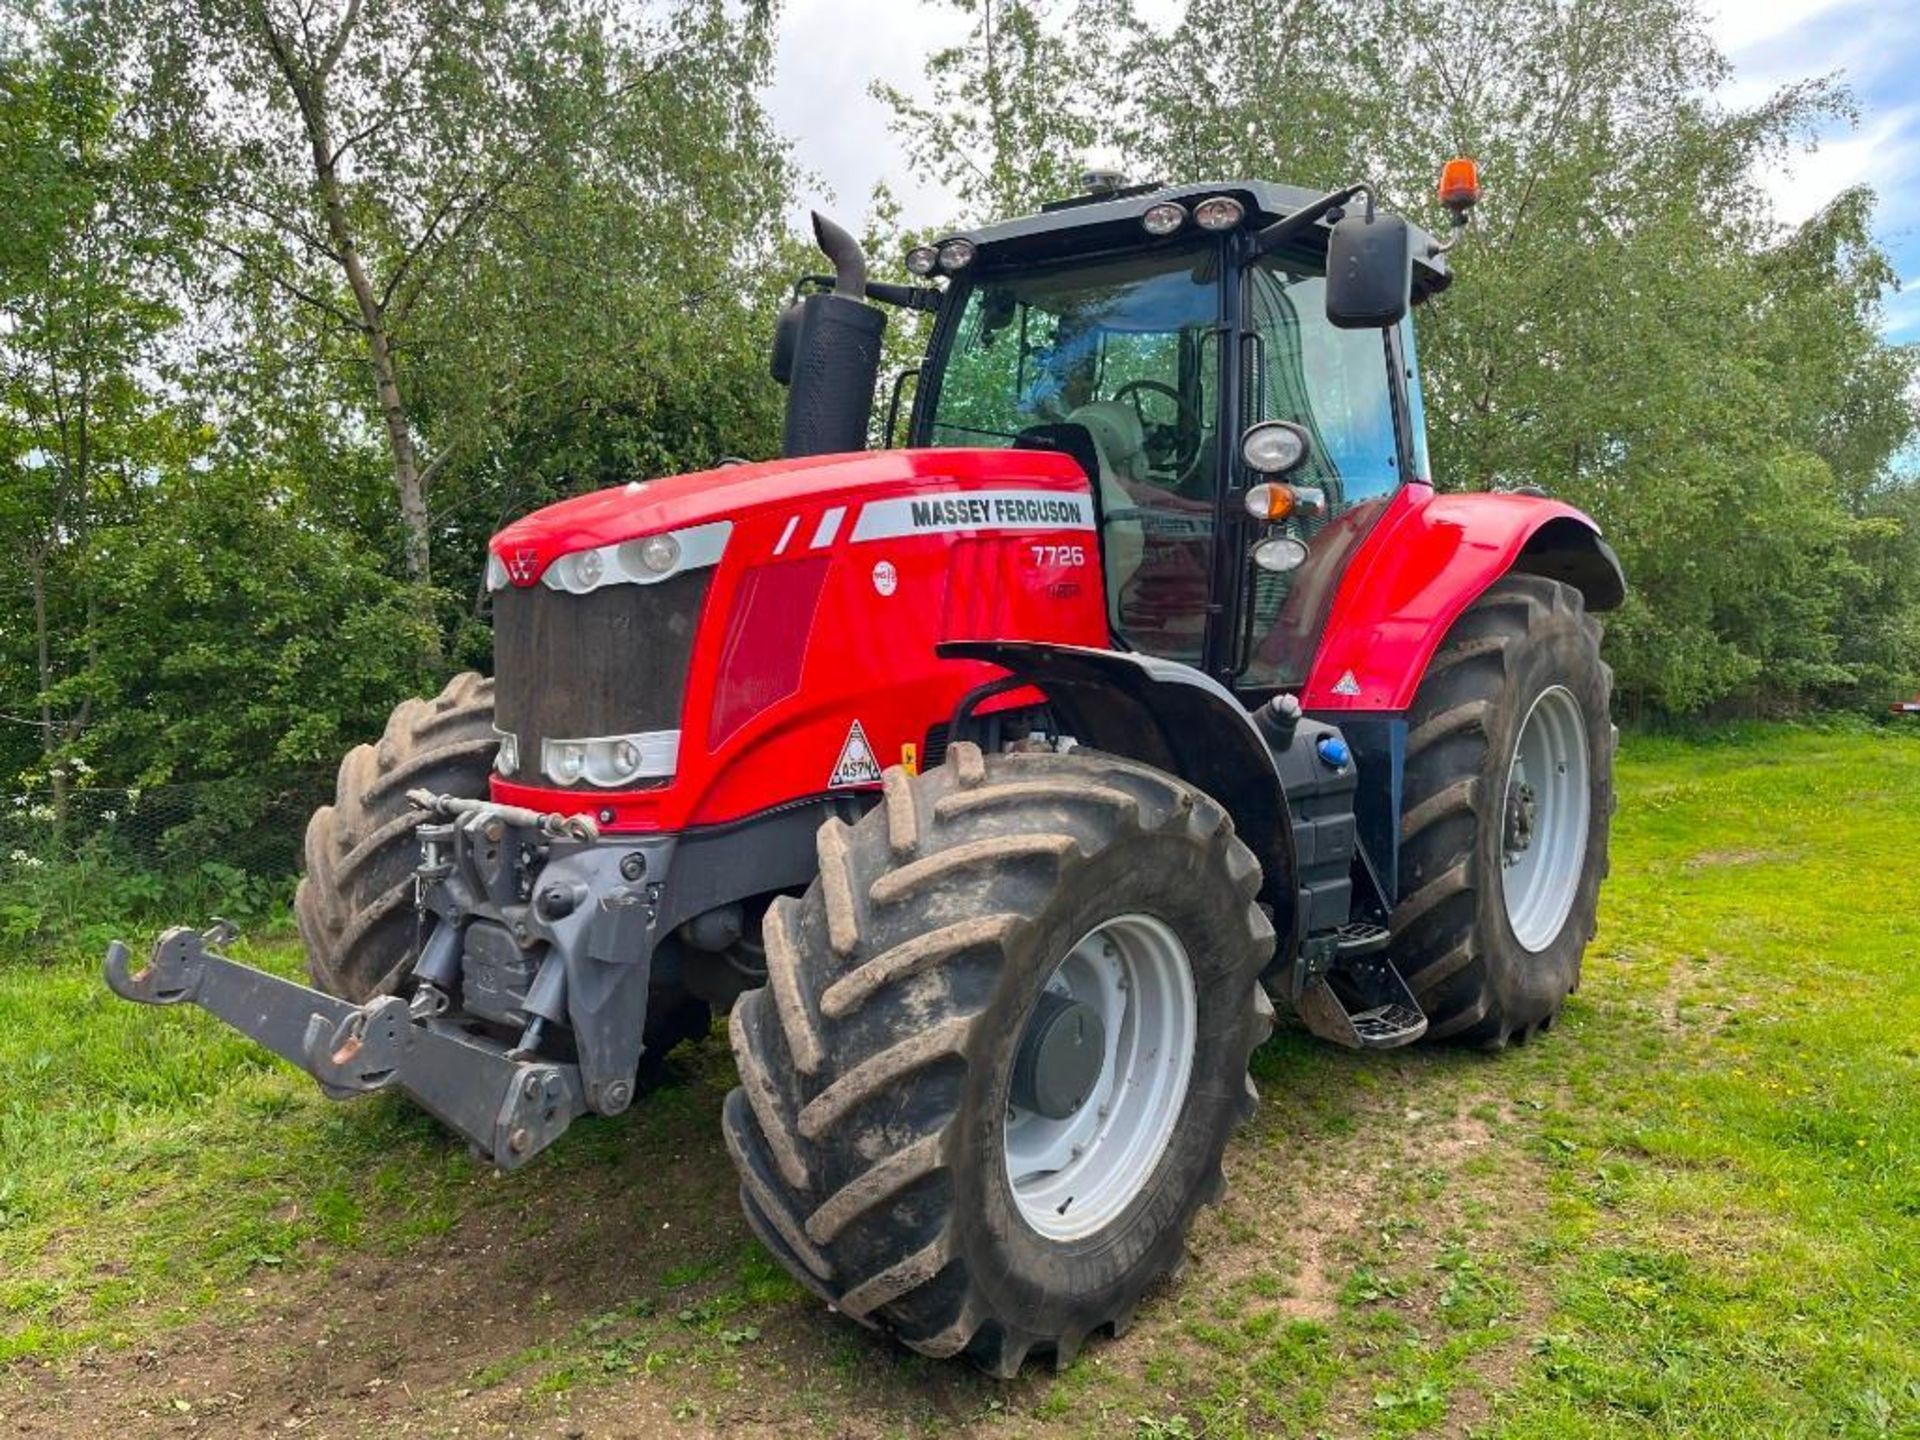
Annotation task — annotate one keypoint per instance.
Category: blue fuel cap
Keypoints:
(1333, 750)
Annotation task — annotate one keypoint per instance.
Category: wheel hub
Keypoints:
(1060, 1057)
(1522, 808)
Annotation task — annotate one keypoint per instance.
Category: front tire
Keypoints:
(875, 1128)
(355, 903)
(1508, 798)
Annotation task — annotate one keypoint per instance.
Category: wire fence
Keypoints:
(85, 856)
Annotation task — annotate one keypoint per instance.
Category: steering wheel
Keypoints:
(1186, 426)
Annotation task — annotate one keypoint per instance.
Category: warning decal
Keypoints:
(1346, 685)
(856, 765)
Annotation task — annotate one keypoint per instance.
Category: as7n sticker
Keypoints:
(856, 765)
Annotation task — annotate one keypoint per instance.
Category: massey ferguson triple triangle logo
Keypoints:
(524, 567)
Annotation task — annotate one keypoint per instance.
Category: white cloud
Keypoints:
(1743, 24)
(829, 53)
(1884, 153)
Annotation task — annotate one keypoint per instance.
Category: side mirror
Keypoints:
(786, 338)
(1369, 271)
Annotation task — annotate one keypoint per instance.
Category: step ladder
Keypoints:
(1359, 998)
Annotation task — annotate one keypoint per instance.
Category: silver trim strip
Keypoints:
(829, 527)
(950, 510)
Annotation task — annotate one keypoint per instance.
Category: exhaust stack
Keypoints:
(828, 345)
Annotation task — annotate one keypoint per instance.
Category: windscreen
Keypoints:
(1126, 348)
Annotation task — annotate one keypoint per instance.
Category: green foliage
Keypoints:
(523, 241)
(568, 217)
(233, 636)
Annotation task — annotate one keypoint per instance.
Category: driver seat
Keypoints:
(1121, 443)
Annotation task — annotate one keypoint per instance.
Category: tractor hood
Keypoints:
(527, 547)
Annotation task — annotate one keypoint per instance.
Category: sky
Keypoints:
(831, 50)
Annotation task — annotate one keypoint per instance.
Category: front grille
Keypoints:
(610, 662)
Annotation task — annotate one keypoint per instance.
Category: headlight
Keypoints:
(659, 553)
(565, 762)
(612, 761)
(1222, 212)
(1273, 447)
(923, 260)
(1280, 554)
(645, 561)
(497, 576)
(956, 254)
(1164, 218)
(507, 760)
(584, 569)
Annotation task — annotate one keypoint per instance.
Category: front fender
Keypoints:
(1429, 558)
(1170, 716)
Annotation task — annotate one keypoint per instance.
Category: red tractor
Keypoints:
(999, 786)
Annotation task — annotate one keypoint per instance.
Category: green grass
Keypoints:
(1694, 1209)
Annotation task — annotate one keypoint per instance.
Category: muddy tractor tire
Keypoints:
(355, 904)
(1001, 1049)
(1509, 794)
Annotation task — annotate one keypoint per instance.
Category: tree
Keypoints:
(84, 302)
(410, 175)
(1630, 328)
(1021, 104)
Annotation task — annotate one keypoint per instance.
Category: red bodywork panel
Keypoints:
(1429, 558)
(814, 620)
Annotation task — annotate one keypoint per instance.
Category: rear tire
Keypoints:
(1490, 940)
(876, 1066)
(355, 904)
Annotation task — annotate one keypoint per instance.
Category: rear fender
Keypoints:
(1429, 558)
(1170, 716)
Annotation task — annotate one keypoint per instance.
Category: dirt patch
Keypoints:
(539, 1314)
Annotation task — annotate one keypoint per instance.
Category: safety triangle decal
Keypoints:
(1346, 685)
(856, 765)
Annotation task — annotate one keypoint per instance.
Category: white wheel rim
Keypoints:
(1072, 1177)
(1543, 819)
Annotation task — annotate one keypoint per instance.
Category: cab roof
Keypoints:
(1110, 220)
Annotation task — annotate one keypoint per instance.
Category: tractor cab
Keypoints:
(1182, 343)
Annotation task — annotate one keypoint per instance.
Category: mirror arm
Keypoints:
(903, 297)
(1288, 226)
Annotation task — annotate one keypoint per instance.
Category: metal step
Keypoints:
(1357, 938)
(1385, 1017)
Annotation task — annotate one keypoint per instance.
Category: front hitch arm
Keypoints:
(510, 1110)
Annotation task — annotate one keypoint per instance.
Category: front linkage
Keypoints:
(532, 920)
